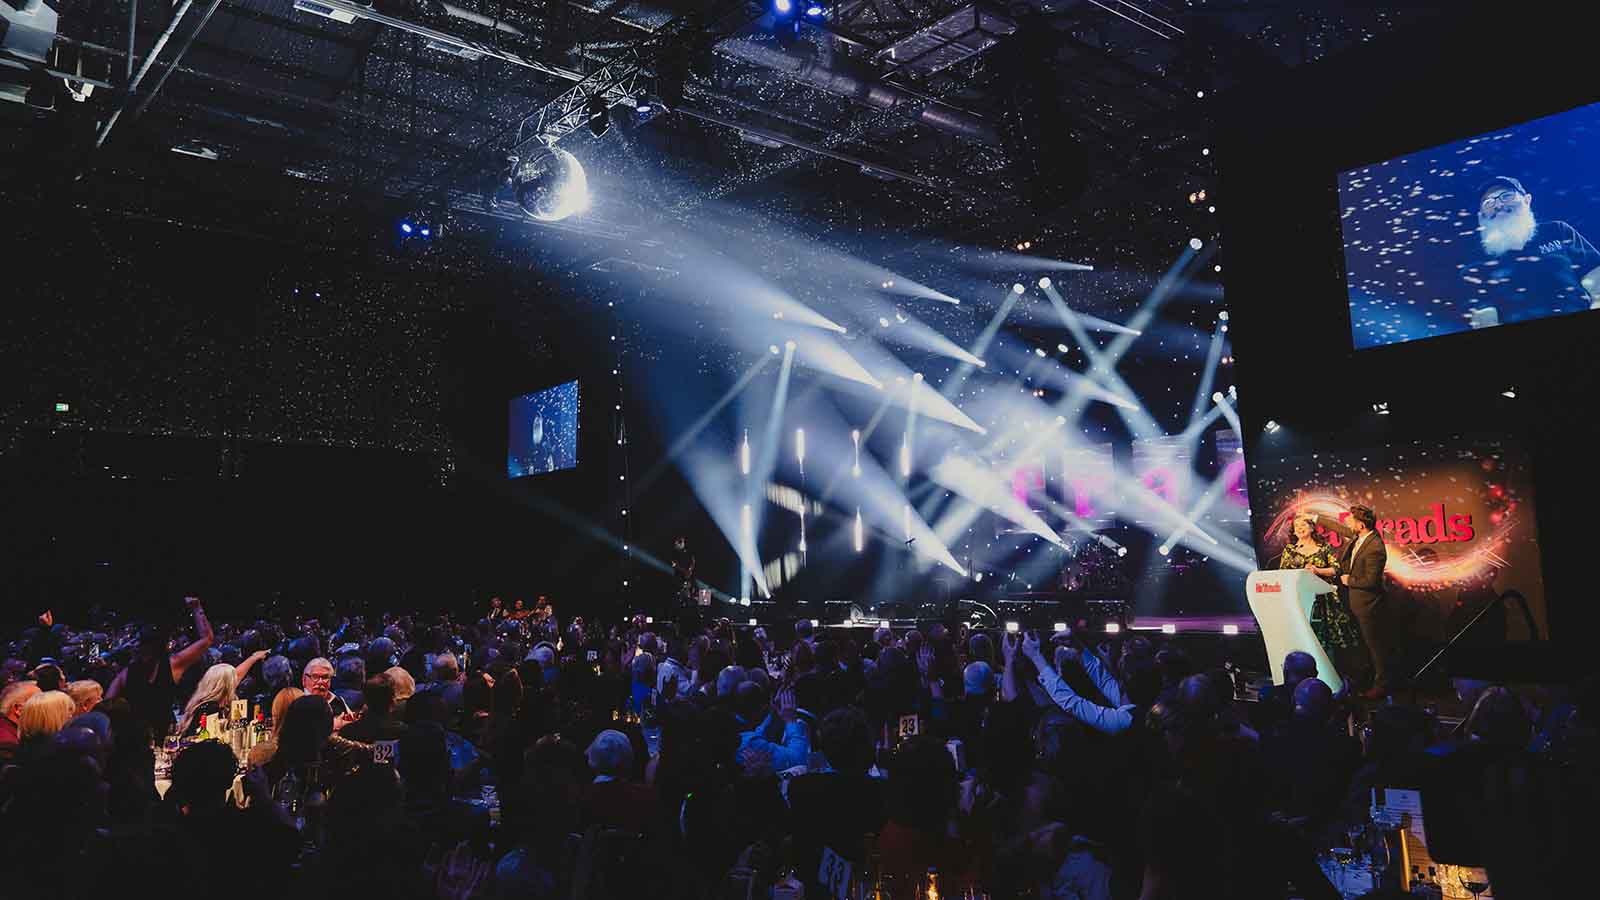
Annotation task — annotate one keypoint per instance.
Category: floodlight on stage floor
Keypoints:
(1113, 628)
(1018, 288)
(1044, 282)
(1060, 627)
(1013, 627)
(1169, 628)
(1230, 629)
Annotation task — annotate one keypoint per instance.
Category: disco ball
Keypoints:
(550, 184)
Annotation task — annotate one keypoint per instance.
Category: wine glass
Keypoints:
(1473, 887)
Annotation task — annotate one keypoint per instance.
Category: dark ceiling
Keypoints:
(945, 111)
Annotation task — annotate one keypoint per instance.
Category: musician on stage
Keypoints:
(1362, 558)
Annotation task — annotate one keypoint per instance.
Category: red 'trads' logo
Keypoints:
(1263, 587)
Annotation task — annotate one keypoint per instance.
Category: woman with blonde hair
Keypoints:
(44, 714)
(404, 687)
(215, 693)
(86, 693)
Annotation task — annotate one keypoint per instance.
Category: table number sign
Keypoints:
(834, 873)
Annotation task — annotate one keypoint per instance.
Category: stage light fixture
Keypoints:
(1164, 549)
(1217, 397)
(63, 407)
(1044, 282)
(788, 345)
(599, 122)
(978, 577)
(815, 10)
(783, 7)
(1509, 393)
(1013, 627)
(1063, 348)
(1018, 288)
(1169, 628)
(1223, 315)
(747, 603)
(773, 349)
(1113, 628)
(1039, 352)
(407, 228)
(1196, 243)
(815, 623)
(1272, 426)
(1205, 151)
(1381, 409)
(1122, 551)
(1230, 629)
(1060, 627)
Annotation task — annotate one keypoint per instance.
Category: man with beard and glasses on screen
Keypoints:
(1534, 269)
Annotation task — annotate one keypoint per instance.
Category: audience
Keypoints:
(641, 759)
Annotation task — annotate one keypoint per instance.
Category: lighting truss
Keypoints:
(620, 79)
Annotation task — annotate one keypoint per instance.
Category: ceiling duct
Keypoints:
(964, 33)
(864, 88)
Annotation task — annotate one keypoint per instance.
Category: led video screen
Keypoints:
(1486, 231)
(544, 431)
(1456, 516)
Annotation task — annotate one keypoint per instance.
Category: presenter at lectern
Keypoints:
(1331, 619)
(1362, 558)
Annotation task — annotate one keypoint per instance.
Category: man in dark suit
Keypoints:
(1362, 558)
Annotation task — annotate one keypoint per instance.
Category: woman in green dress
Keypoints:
(1331, 619)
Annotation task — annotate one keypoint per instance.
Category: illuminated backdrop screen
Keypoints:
(544, 431)
(1456, 515)
(1486, 231)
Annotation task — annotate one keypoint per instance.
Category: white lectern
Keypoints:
(1282, 601)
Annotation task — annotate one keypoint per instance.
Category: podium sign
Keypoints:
(1281, 601)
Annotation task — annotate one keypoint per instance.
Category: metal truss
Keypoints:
(618, 81)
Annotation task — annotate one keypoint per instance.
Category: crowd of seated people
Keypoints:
(513, 757)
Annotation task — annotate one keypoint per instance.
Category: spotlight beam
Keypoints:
(765, 466)
(1201, 508)
(954, 383)
(693, 431)
(1226, 409)
(1208, 374)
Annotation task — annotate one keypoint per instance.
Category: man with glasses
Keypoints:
(318, 679)
(1534, 269)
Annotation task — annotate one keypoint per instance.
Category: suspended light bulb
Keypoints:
(861, 535)
(744, 453)
(905, 459)
(855, 470)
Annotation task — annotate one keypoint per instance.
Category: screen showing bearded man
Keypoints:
(1488, 230)
(1532, 268)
